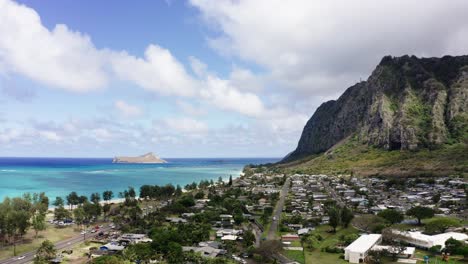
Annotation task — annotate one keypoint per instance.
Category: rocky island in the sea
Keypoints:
(147, 158)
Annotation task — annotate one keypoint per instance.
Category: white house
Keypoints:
(357, 251)
(425, 241)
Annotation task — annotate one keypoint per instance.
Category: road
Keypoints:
(333, 194)
(67, 243)
(278, 210)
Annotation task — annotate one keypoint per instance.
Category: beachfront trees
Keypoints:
(392, 216)
(420, 212)
(95, 198)
(73, 199)
(40, 202)
(82, 199)
(107, 195)
(178, 190)
(58, 202)
(60, 213)
(230, 180)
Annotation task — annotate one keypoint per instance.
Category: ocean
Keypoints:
(60, 176)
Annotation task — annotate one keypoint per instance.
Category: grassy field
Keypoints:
(329, 239)
(295, 255)
(359, 159)
(437, 259)
(79, 253)
(30, 243)
(266, 230)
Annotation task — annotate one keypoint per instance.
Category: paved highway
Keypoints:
(278, 210)
(68, 243)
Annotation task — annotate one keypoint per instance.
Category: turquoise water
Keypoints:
(58, 176)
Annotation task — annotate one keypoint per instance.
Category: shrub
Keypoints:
(435, 249)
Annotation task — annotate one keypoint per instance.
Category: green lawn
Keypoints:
(437, 259)
(295, 255)
(329, 239)
(266, 230)
(30, 243)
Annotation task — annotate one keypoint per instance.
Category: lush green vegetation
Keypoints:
(296, 255)
(326, 241)
(353, 157)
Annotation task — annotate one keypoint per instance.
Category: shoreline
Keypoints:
(121, 200)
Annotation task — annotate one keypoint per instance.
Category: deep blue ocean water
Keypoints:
(60, 176)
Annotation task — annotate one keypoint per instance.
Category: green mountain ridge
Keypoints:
(409, 117)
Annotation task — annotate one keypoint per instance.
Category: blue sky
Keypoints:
(194, 78)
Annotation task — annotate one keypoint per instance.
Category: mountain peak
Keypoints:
(407, 103)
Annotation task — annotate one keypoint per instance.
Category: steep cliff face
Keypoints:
(407, 103)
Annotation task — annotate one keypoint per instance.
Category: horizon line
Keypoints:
(225, 157)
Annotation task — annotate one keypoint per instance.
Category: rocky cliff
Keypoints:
(407, 103)
(146, 158)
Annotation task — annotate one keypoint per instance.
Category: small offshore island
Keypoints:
(148, 158)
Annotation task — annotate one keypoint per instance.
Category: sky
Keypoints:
(195, 78)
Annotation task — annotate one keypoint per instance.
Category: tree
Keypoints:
(456, 247)
(107, 260)
(72, 199)
(178, 190)
(335, 217)
(420, 212)
(60, 213)
(79, 215)
(230, 180)
(248, 238)
(45, 252)
(269, 248)
(395, 241)
(106, 209)
(95, 198)
(58, 201)
(346, 216)
(138, 253)
(436, 198)
(38, 222)
(368, 223)
(107, 195)
(392, 216)
(441, 224)
(174, 253)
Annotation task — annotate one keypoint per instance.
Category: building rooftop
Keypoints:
(364, 243)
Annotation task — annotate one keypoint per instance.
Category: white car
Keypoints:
(20, 257)
(83, 232)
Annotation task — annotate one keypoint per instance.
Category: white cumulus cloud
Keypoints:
(126, 109)
(59, 57)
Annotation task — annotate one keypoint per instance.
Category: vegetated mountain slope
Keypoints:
(409, 108)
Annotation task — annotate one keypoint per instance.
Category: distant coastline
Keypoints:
(60, 176)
